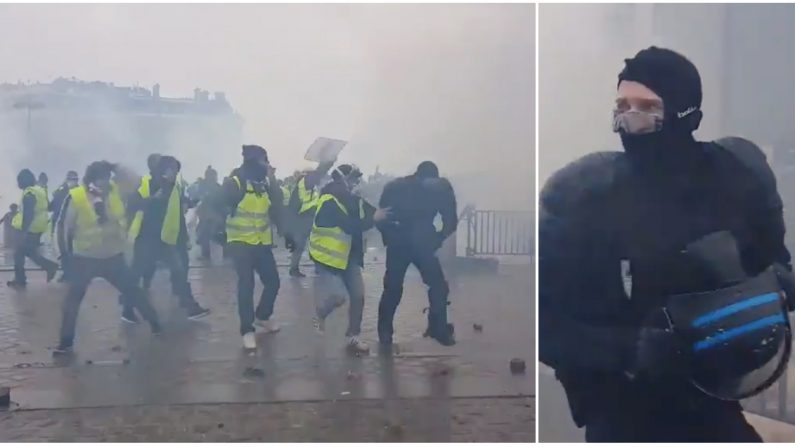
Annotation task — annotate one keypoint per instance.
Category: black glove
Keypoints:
(657, 353)
(438, 241)
(289, 244)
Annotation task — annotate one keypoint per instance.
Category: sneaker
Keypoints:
(267, 326)
(444, 337)
(14, 284)
(358, 346)
(295, 273)
(249, 341)
(128, 316)
(196, 312)
(62, 349)
(319, 324)
(51, 273)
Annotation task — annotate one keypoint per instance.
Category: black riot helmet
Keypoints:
(735, 339)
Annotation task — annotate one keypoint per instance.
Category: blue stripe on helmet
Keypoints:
(731, 309)
(739, 330)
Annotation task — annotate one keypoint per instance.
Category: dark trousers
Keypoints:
(249, 259)
(301, 230)
(204, 236)
(717, 422)
(149, 274)
(116, 272)
(398, 259)
(147, 252)
(29, 248)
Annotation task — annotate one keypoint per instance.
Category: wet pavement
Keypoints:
(117, 365)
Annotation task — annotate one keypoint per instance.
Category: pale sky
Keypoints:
(401, 83)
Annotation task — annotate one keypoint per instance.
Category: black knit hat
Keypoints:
(668, 74)
(427, 169)
(252, 152)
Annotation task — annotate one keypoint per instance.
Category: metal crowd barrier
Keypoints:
(499, 233)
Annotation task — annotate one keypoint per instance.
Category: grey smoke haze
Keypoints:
(401, 83)
(739, 50)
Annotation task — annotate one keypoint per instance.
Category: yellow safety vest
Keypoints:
(286, 191)
(170, 231)
(250, 223)
(331, 246)
(88, 232)
(308, 198)
(40, 217)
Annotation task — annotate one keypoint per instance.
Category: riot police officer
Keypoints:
(664, 351)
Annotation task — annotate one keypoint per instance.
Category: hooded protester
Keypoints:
(643, 256)
(337, 247)
(253, 205)
(410, 238)
(31, 222)
(159, 232)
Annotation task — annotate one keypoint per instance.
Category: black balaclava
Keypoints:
(427, 169)
(25, 178)
(676, 80)
(252, 167)
(151, 162)
(164, 163)
(211, 175)
(340, 186)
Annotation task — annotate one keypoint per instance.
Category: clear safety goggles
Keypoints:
(636, 122)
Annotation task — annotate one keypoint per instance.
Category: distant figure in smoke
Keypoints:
(210, 220)
(58, 198)
(43, 181)
(32, 223)
(10, 235)
(410, 238)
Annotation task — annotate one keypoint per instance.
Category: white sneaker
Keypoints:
(356, 345)
(267, 326)
(319, 324)
(249, 341)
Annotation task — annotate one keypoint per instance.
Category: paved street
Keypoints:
(196, 372)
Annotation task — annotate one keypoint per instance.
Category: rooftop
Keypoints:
(71, 93)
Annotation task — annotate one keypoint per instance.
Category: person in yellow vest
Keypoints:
(302, 206)
(253, 204)
(93, 230)
(158, 231)
(336, 246)
(32, 221)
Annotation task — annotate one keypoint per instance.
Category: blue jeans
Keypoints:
(331, 289)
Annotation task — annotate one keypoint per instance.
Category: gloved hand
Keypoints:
(438, 241)
(289, 244)
(657, 353)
